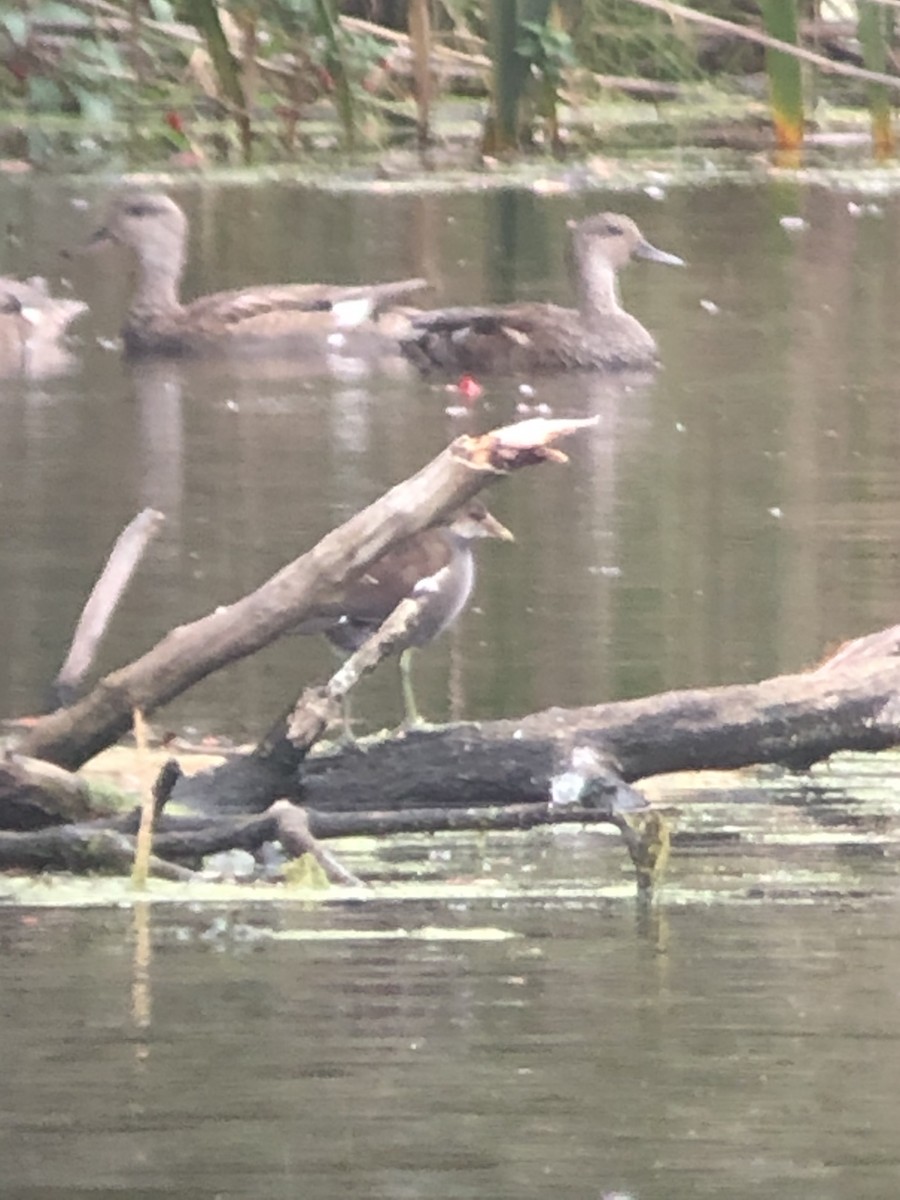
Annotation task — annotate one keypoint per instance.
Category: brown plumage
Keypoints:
(436, 566)
(529, 338)
(297, 317)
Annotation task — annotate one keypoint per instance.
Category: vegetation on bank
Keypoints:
(199, 81)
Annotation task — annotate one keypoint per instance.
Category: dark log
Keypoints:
(107, 845)
(794, 720)
(82, 849)
(188, 654)
(34, 793)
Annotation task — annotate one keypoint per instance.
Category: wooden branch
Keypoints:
(192, 652)
(81, 849)
(35, 793)
(320, 707)
(682, 12)
(108, 845)
(103, 601)
(793, 720)
(296, 837)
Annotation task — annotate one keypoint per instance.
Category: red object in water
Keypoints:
(469, 387)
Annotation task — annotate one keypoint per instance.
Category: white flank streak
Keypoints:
(431, 583)
(348, 313)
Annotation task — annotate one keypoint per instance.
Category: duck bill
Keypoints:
(644, 250)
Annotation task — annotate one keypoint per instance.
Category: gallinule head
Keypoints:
(296, 317)
(528, 338)
(435, 565)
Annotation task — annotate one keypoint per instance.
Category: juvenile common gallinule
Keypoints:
(32, 323)
(284, 316)
(436, 564)
(526, 338)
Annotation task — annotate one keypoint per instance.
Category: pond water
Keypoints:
(732, 518)
(740, 1052)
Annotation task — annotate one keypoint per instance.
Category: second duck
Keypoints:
(276, 317)
(525, 338)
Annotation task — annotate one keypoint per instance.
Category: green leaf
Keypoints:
(785, 77)
(204, 14)
(95, 106)
(16, 26)
(162, 11)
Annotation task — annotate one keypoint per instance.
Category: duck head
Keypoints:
(148, 223)
(615, 238)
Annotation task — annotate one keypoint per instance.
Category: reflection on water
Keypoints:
(726, 520)
(706, 1052)
(729, 519)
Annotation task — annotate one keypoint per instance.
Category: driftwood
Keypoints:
(493, 775)
(107, 846)
(35, 793)
(103, 601)
(850, 702)
(190, 653)
(498, 775)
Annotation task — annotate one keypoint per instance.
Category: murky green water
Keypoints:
(696, 1053)
(731, 520)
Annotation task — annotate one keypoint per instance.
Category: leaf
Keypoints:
(162, 11)
(16, 26)
(785, 77)
(204, 15)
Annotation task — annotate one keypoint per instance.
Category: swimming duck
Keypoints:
(282, 316)
(32, 322)
(525, 338)
(436, 564)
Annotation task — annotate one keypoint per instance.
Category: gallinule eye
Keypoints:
(436, 564)
(527, 338)
(285, 316)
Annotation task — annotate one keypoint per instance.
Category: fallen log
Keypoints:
(107, 846)
(848, 703)
(192, 652)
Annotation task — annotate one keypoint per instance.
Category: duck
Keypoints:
(435, 566)
(531, 338)
(32, 326)
(278, 316)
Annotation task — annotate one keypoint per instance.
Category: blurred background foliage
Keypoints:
(275, 79)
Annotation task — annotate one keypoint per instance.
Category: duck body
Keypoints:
(32, 326)
(283, 317)
(525, 339)
(532, 338)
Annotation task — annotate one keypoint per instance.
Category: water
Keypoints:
(725, 1052)
(733, 519)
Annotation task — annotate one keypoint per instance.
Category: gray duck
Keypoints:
(531, 337)
(436, 563)
(282, 317)
(32, 325)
